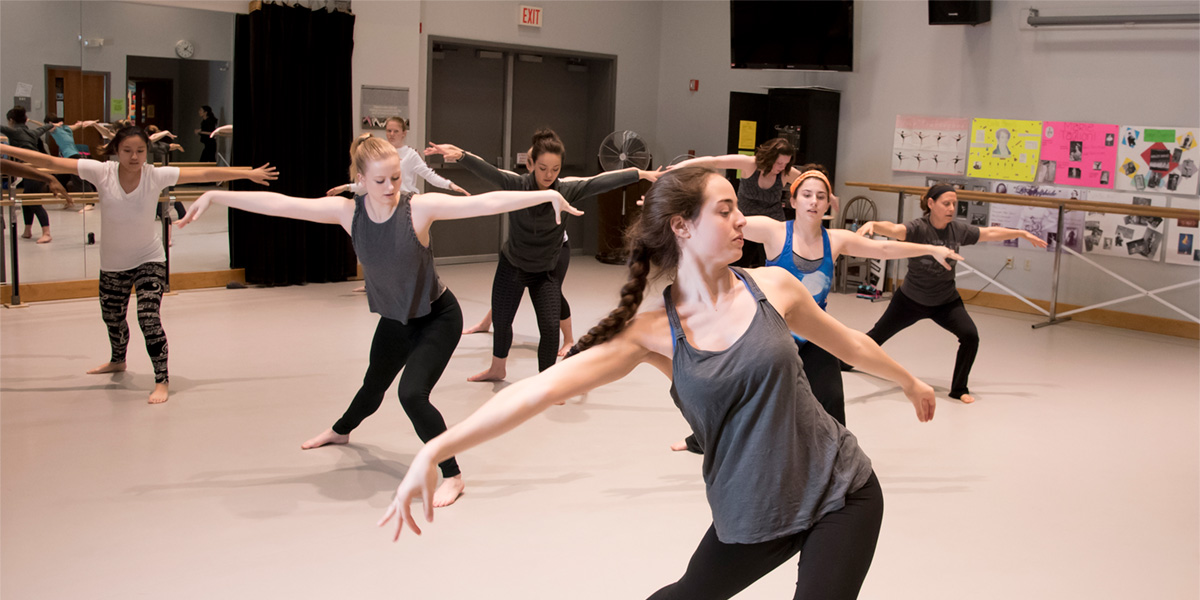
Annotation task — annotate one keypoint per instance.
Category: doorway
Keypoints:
(78, 95)
(154, 100)
(489, 99)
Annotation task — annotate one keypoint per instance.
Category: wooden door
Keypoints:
(76, 95)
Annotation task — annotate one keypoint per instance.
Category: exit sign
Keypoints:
(531, 16)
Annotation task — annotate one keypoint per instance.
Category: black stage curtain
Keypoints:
(292, 107)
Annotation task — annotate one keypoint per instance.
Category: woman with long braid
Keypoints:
(420, 321)
(131, 250)
(536, 242)
(796, 481)
(789, 244)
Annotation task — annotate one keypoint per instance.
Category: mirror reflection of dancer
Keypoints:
(536, 254)
(131, 250)
(790, 243)
(760, 192)
(689, 230)
(208, 124)
(21, 136)
(928, 291)
(420, 321)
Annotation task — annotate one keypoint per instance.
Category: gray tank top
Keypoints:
(753, 200)
(774, 461)
(401, 281)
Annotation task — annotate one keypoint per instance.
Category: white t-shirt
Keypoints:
(412, 164)
(128, 234)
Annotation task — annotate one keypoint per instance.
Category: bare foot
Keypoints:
(329, 436)
(361, 289)
(496, 372)
(45, 239)
(108, 367)
(967, 398)
(159, 395)
(448, 492)
(28, 234)
(480, 327)
(566, 347)
(679, 446)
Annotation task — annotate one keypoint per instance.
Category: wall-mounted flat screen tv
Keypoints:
(812, 35)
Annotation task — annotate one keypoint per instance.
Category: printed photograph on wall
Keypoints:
(1042, 222)
(1077, 154)
(1181, 245)
(1163, 160)
(1134, 236)
(930, 144)
(1005, 149)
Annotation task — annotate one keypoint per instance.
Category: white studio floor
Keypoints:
(1075, 475)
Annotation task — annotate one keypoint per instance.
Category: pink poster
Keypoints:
(1078, 154)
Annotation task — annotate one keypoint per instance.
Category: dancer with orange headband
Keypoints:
(790, 244)
(765, 177)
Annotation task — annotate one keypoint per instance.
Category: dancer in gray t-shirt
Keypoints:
(928, 291)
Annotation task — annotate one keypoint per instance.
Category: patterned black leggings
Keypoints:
(150, 280)
(545, 290)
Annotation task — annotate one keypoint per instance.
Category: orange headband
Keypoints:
(806, 175)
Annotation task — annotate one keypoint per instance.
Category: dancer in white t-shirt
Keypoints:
(131, 250)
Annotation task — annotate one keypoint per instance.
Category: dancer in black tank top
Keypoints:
(795, 482)
(420, 321)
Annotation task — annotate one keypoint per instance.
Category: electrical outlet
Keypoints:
(1008, 262)
(1028, 264)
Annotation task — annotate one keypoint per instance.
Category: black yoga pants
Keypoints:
(546, 293)
(835, 554)
(150, 282)
(422, 348)
(560, 273)
(952, 316)
(39, 211)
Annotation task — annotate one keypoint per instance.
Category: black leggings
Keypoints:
(422, 348)
(951, 316)
(39, 211)
(560, 273)
(545, 291)
(824, 374)
(150, 281)
(835, 554)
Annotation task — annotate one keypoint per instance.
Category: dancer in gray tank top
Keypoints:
(420, 321)
(781, 475)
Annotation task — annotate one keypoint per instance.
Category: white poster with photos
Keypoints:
(1158, 160)
(1042, 222)
(1126, 236)
(1181, 247)
(930, 144)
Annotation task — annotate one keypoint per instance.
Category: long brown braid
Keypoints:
(652, 246)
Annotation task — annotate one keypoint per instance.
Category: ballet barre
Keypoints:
(1062, 205)
(14, 200)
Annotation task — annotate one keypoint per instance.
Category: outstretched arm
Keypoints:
(808, 320)
(17, 169)
(895, 231)
(333, 211)
(261, 175)
(727, 161)
(427, 208)
(224, 130)
(494, 176)
(767, 231)
(846, 242)
(514, 405)
(999, 234)
(413, 163)
(53, 164)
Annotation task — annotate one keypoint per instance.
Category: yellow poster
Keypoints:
(746, 134)
(1004, 149)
